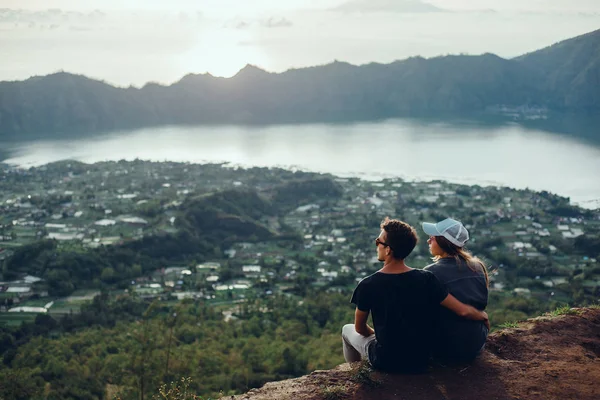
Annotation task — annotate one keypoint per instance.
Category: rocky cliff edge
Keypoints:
(545, 358)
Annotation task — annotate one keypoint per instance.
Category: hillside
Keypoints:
(543, 358)
(569, 69)
(236, 277)
(561, 77)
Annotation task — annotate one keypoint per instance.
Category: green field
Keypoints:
(12, 244)
(35, 303)
(15, 319)
(590, 284)
(64, 306)
(84, 292)
(6, 295)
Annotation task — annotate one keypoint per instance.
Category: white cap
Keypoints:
(449, 228)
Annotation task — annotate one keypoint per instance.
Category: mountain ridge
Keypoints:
(560, 77)
(593, 34)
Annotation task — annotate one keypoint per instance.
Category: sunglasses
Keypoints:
(378, 242)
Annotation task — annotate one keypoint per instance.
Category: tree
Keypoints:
(108, 275)
(19, 384)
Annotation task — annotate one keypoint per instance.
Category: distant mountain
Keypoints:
(570, 72)
(64, 102)
(565, 76)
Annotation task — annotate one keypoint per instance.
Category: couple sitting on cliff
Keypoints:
(419, 313)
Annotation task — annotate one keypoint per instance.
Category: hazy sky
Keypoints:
(135, 41)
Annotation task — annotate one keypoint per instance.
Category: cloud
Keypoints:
(79, 28)
(53, 16)
(275, 22)
(189, 17)
(247, 43)
(528, 7)
(271, 22)
(242, 25)
(397, 6)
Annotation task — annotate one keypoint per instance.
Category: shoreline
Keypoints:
(594, 203)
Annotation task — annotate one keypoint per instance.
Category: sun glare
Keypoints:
(223, 52)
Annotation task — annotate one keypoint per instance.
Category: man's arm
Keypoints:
(465, 310)
(360, 323)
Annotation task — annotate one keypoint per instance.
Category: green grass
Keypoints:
(335, 392)
(564, 310)
(590, 284)
(35, 303)
(85, 292)
(363, 375)
(15, 319)
(510, 324)
(178, 391)
(6, 295)
(11, 245)
(61, 307)
(67, 303)
(65, 306)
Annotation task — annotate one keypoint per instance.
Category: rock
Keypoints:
(543, 358)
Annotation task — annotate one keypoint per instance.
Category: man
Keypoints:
(403, 302)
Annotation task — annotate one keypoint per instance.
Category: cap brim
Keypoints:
(430, 229)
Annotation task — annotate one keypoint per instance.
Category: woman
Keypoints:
(466, 278)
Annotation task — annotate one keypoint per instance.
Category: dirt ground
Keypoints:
(543, 358)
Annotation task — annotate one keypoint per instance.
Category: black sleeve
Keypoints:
(361, 297)
(438, 290)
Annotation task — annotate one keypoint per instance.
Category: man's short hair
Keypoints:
(400, 236)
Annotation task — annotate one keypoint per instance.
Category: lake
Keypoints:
(471, 152)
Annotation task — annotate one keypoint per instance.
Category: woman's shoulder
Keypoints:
(441, 263)
(430, 266)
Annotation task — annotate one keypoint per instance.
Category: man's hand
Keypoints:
(360, 323)
(465, 310)
(486, 321)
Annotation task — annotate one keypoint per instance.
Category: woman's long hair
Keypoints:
(462, 256)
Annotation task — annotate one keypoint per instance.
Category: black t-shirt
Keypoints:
(403, 307)
(457, 338)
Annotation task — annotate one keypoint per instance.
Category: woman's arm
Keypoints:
(465, 310)
(360, 323)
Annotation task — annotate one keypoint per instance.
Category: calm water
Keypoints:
(465, 152)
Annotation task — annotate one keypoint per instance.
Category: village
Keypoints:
(532, 242)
